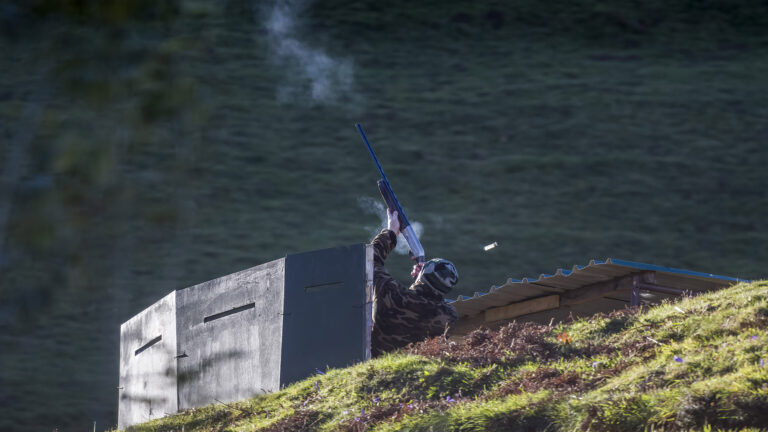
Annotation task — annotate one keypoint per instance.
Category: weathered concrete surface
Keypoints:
(230, 336)
(147, 384)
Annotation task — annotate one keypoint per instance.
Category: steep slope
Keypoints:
(698, 363)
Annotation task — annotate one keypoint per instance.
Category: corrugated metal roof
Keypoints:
(515, 290)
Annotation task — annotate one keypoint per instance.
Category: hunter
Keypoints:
(401, 314)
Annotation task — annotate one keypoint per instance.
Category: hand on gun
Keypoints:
(393, 223)
(417, 269)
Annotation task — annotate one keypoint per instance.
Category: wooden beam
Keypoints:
(522, 308)
(546, 288)
(634, 298)
(661, 289)
(600, 289)
(569, 298)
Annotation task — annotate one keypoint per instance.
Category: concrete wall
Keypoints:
(247, 333)
(230, 336)
(147, 384)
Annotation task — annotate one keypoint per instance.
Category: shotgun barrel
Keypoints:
(417, 251)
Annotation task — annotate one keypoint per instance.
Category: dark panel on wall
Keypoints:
(325, 311)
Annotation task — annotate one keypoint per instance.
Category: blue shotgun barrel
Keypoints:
(394, 205)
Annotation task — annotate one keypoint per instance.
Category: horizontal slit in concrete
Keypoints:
(323, 287)
(229, 312)
(147, 345)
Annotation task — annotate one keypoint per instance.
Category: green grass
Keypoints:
(720, 382)
(161, 157)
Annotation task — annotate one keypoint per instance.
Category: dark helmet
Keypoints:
(439, 274)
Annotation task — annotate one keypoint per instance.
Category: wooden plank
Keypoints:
(662, 289)
(522, 308)
(548, 288)
(634, 298)
(597, 290)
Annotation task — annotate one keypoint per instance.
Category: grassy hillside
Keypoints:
(154, 145)
(699, 363)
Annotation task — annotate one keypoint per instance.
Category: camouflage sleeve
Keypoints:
(383, 244)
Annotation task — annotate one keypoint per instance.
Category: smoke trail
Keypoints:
(307, 72)
(376, 207)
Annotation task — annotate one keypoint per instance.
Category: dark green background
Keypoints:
(154, 153)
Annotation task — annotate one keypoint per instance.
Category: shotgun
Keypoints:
(417, 252)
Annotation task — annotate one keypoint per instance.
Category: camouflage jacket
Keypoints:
(403, 315)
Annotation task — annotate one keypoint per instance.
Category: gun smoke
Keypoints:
(307, 71)
(376, 207)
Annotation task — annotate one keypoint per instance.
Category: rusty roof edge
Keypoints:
(576, 268)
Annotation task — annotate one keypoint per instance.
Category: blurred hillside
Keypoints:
(151, 145)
